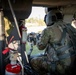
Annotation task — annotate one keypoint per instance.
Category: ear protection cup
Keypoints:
(54, 18)
(59, 15)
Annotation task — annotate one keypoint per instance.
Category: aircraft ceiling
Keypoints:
(54, 3)
(22, 8)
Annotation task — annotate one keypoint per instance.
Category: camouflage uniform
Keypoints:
(44, 64)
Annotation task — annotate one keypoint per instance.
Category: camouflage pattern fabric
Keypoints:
(53, 35)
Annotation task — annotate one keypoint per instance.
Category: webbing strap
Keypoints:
(63, 49)
(72, 33)
(67, 55)
(62, 40)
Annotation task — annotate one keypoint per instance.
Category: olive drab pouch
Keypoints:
(51, 56)
(51, 53)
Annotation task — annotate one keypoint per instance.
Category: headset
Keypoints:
(52, 16)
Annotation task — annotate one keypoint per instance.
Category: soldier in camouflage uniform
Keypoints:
(58, 46)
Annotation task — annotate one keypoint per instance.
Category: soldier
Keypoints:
(58, 45)
(74, 21)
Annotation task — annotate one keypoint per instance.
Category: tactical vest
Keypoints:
(62, 53)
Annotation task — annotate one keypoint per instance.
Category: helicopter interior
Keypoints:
(22, 10)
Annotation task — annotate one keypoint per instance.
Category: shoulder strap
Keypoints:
(63, 35)
(62, 40)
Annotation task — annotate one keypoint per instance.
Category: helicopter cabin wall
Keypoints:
(68, 12)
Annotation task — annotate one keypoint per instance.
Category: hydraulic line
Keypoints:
(15, 20)
(16, 23)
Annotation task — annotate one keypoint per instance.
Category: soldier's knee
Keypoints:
(33, 61)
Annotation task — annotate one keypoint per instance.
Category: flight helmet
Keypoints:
(52, 16)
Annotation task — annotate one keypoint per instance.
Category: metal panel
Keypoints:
(22, 8)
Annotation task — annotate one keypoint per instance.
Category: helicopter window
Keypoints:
(35, 24)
